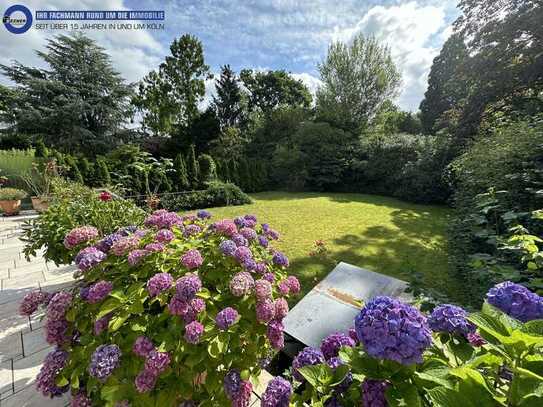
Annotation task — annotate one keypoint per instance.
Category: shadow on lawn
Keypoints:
(412, 246)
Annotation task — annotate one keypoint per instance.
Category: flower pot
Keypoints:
(10, 207)
(40, 203)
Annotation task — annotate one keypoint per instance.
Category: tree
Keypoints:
(505, 39)
(77, 104)
(203, 131)
(228, 101)
(192, 168)
(40, 149)
(271, 89)
(168, 98)
(208, 170)
(102, 175)
(357, 79)
(181, 179)
(446, 89)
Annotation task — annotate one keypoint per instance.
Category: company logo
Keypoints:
(17, 19)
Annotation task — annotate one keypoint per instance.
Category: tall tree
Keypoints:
(168, 98)
(228, 101)
(357, 79)
(77, 104)
(193, 171)
(446, 89)
(505, 39)
(271, 89)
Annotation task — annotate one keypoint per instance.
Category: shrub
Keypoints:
(102, 176)
(11, 194)
(208, 170)
(217, 194)
(15, 163)
(173, 314)
(180, 176)
(395, 355)
(192, 168)
(75, 205)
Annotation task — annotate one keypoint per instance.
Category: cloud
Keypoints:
(133, 53)
(410, 30)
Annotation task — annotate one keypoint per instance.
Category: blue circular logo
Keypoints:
(18, 24)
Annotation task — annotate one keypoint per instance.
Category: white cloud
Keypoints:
(409, 30)
(133, 53)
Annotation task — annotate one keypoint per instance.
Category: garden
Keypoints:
(195, 229)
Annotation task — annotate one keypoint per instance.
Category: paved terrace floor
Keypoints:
(22, 342)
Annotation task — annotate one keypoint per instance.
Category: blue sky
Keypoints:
(272, 34)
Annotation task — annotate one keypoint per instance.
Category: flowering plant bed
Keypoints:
(183, 311)
(397, 356)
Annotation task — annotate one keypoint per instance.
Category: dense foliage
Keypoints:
(397, 356)
(181, 310)
(215, 195)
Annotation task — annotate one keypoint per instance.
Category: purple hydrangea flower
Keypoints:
(123, 403)
(225, 227)
(261, 268)
(232, 383)
(195, 306)
(79, 235)
(125, 245)
(142, 346)
(239, 221)
(81, 400)
(192, 230)
(192, 259)
(308, 356)
(516, 301)
(104, 360)
(250, 217)
(268, 277)
(98, 291)
(275, 334)
(353, 336)
(56, 331)
(284, 287)
(157, 362)
(277, 393)
(272, 234)
(100, 325)
(160, 282)
(145, 381)
(249, 265)
(226, 318)
(281, 308)
(265, 227)
(136, 256)
(373, 393)
(187, 286)
(127, 230)
(334, 363)
(193, 332)
(293, 285)
(450, 318)
(243, 253)
(88, 258)
(265, 311)
(475, 339)
(53, 363)
(164, 236)
(57, 307)
(162, 219)
(243, 397)
(239, 240)
(203, 214)
(228, 247)
(177, 306)
(332, 343)
(154, 247)
(31, 301)
(248, 233)
(263, 290)
(105, 244)
(263, 241)
(242, 283)
(280, 259)
(390, 329)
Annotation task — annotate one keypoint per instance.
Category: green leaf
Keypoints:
(117, 321)
(438, 376)
(317, 374)
(61, 381)
(109, 392)
(534, 327)
(110, 305)
(445, 397)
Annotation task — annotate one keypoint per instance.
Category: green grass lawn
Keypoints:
(378, 233)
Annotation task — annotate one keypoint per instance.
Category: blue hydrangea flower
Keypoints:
(390, 329)
(277, 393)
(516, 301)
(308, 356)
(451, 319)
(104, 360)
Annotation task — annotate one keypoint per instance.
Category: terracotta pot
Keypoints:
(40, 203)
(10, 207)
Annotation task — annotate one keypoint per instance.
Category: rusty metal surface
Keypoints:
(333, 303)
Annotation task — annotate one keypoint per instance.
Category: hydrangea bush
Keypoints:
(395, 355)
(179, 312)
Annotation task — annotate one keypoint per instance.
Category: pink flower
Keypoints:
(192, 259)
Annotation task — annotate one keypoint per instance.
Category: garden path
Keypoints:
(22, 342)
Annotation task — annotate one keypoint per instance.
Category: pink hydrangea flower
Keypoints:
(192, 259)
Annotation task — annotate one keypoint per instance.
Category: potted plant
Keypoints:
(39, 182)
(10, 200)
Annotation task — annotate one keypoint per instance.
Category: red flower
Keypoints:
(105, 196)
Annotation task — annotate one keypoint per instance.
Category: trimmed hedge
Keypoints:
(217, 194)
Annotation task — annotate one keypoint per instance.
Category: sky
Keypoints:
(261, 34)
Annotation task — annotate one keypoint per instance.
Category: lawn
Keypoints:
(378, 233)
